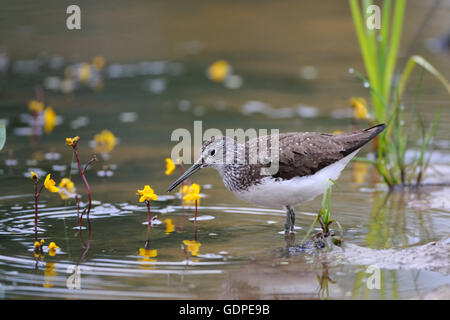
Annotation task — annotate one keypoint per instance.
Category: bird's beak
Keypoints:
(195, 167)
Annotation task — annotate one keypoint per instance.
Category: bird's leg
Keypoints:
(290, 220)
(287, 225)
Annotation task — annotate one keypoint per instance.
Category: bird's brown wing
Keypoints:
(305, 153)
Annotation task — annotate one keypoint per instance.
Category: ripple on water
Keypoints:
(202, 218)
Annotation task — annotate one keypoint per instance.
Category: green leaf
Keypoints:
(2, 136)
(424, 64)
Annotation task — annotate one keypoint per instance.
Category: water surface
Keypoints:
(154, 82)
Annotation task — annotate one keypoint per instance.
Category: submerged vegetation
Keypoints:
(380, 51)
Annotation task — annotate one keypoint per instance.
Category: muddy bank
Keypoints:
(433, 256)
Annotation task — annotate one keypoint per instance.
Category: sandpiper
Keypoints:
(306, 162)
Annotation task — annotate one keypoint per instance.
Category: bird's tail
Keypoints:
(356, 140)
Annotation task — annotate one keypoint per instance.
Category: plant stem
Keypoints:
(149, 215)
(36, 198)
(195, 220)
(81, 171)
(196, 204)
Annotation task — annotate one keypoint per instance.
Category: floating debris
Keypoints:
(128, 117)
(79, 122)
(233, 81)
(307, 111)
(184, 105)
(105, 172)
(52, 156)
(59, 167)
(252, 107)
(156, 86)
(308, 73)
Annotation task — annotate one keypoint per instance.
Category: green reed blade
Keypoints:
(2, 136)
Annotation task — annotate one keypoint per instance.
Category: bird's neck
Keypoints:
(238, 177)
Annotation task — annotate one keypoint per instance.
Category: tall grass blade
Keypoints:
(2, 136)
(424, 64)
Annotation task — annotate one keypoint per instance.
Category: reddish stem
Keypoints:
(80, 219)
(81, 171)
(196, 204)
(149, 215)
(195, 221)
(36, 197)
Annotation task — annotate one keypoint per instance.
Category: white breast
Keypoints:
(272, 193)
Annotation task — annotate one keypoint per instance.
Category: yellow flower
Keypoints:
(35, 106)
(184, 189)
(337, 132)
(170, 166)
(219, 70)
(105, 141)
(33, 175)
(52, 249)
(49, 119)
(192, 246)
(170, 227)
(71, 141)
(67, 184)
(50, 184)
(98, 62)
(67, 188)
(193, 193)
(148, 253)
(37, 244)
(147, 194)
(84, 72)
(359, 107)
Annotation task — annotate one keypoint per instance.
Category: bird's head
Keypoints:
(215, 153)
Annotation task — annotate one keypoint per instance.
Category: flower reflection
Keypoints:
(147, 255)
(49, 274)
(170, 226)
(359, 172)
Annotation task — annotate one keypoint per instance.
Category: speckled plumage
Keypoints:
(300, 154)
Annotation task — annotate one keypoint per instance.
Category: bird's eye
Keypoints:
(212, 152)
